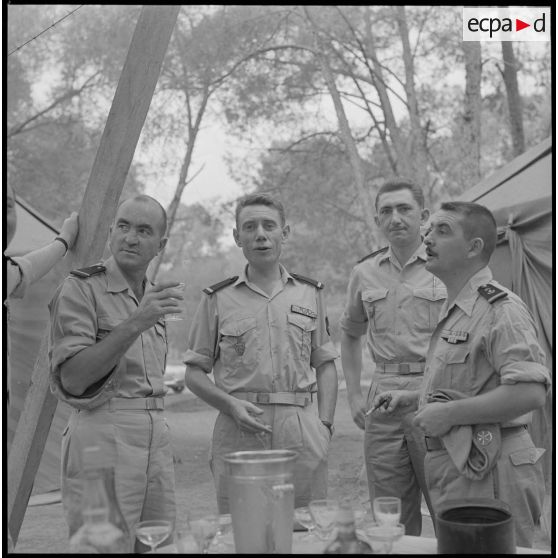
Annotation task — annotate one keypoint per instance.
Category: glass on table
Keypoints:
(153, 532)
(324, 513)
(223, 542)
(304, 517)
(204, 530)
(387, 510)
(381, 536)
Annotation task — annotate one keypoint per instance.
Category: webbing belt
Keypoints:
(131, 404)
(400, 367)
(299, 398)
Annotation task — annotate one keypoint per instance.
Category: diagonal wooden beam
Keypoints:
(118, 143)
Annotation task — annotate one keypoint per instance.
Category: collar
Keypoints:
(116, 283)
(418, 254)
(243, 277)
(468, 295)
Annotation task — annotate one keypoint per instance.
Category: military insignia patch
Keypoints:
(454, 337)
(239, 348)
(491, 292)
(304, 311)
(484, 437)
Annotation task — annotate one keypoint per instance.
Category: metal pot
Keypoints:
(475, 526)
(261, 499)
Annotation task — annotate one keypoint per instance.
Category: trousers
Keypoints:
(517, 479)
(294, 428)
(394, 453)
(137, 445)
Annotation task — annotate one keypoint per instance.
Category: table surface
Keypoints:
(302, 544)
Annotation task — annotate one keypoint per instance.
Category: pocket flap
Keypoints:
(526, 456)
(303, 322)
(371, 295)
(108, 323)
(238, 327)
(458, 354)
(430, 293)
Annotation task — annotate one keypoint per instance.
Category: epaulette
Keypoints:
(375, 253)
(313, 282)
(492, 293)
(220, 285)
(86, 272)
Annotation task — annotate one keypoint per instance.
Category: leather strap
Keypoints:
(133, 404)
(298, 398)
(400, 367)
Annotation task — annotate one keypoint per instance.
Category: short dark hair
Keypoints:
(401, 184)
(260, 198)
(146, 199)
(476, 221)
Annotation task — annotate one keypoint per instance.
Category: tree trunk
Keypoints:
(350, 146)
(114, 156)
(419, 154)
(470, 133)
(514, 98)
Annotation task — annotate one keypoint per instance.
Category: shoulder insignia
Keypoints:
(218, 286)
(375, 253)
(86, 272)
(313, 282)
(492, 293)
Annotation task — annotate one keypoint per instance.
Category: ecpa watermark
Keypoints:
(513, 23)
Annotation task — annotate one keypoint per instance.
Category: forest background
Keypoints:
(319, 105)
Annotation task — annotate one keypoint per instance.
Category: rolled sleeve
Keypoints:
(323, 354)
(18, 271)
(354, 321)
(515, 350)
(202, 344)
(74, 321)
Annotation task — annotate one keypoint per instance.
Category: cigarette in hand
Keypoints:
(385, 401)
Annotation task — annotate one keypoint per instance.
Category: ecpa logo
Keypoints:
(506, 24)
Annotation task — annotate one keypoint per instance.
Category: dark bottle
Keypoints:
(346, 540)
(104, 529)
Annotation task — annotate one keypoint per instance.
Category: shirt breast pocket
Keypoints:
(375, 303)
(105, 324)
(300, 335)
(427, 305)
(457, 368)
(238, 344)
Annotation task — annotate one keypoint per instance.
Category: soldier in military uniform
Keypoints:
(108, 350)
(264, 336)
(395, 302)
(485, 374)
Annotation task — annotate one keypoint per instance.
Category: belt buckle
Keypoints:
(404, 368)
(263, 398)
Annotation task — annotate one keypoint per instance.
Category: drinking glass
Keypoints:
(324, 513)
(387, 510)
(176, 317)
(203, 530)
(381, 536)
(305, 518)
(153, 532)
(223, 542)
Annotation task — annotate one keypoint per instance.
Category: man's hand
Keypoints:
(390, 401)
(358, 409)
(434, 419)
(69, 230)
(245, 415)
(163, 298)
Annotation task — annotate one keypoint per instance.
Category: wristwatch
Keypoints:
(329, 426)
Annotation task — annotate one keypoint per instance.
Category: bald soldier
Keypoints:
(264, 336)
(108, 349)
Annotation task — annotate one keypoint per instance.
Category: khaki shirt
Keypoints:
(83, 311)
(18, 272)
(396, 307)
(260, 343)
(478, 345)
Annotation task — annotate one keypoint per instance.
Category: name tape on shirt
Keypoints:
(304, 311)
(454, 337)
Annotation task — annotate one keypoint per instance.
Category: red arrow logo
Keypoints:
(519, 25)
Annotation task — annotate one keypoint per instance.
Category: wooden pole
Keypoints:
(118, 143)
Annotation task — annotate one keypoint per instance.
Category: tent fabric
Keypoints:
(520, 197)
(28, 320)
